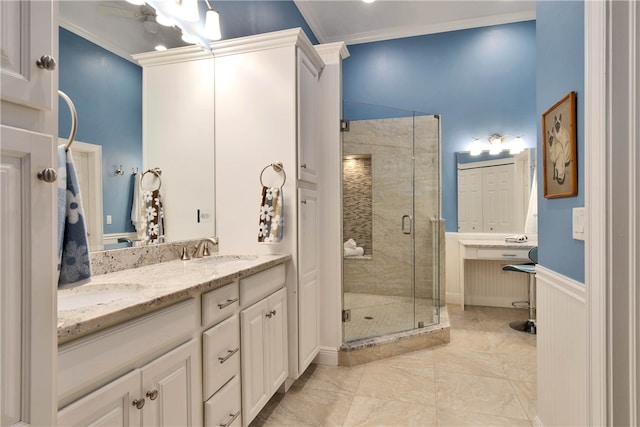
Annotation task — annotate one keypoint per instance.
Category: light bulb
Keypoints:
(189, 10)
(212, 25)
(476, 148)
(517, 146)
(188, 38)
(161, 48)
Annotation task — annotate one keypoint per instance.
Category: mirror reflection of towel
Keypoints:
(152, 216)
(271, 218)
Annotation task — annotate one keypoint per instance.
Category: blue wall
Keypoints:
(481, 81)
(107, 93)
(245, 18)
(560, 52)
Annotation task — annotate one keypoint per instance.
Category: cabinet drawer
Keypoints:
(221, 355)
(254, 288)
(504, 254)
(223, 409)
(219, 304)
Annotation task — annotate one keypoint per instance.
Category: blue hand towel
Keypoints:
(271, 220)
(73, 246)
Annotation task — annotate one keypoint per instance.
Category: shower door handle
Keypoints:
(406, 230)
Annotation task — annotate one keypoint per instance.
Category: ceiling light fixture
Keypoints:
(212, 24)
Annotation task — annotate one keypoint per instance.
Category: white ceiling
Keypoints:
(354, 21)
(118, 26)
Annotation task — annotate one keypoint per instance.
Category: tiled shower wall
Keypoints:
(389, 142)
(357, 200)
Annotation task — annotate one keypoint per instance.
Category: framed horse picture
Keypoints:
(559, 148)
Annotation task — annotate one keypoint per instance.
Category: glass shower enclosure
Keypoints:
(391, 221)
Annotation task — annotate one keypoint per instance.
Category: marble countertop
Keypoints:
(112, 298)
(498, 244)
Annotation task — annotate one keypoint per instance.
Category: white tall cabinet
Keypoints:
(27, 214)
(267, 109)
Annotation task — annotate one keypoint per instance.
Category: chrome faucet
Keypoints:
(203, 244)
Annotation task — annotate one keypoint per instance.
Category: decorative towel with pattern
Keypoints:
(152, 219)
(271, 220)
(73, 245)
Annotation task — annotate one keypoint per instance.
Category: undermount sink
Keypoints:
(224, 259)
(75, 300)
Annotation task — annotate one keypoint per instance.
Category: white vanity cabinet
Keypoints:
(139, 373)
(221, 357)
(263, 328)
(160, 393)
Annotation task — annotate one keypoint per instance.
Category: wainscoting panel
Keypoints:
(562, 350)
(487, 284)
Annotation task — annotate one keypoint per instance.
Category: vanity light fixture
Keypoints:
(161, 48)
(497, 143)
(212, 24)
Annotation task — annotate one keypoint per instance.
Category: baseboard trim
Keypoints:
(327, 356)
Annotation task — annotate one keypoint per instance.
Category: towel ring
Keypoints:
(156, 172)
(277, 166)
(74, 119)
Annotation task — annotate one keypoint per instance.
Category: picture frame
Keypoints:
(560, 164)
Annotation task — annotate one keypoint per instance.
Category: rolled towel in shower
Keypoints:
(358, 251)
(350, 244)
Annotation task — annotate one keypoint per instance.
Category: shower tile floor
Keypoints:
(486, 376)
(377, 315)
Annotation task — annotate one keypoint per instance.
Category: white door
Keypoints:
(28, 268)
(307, 119)
(278, 351)
(113, 405)
(255, 365)
(21, 79)
(308, 291)
(171, 388)
(498, 199)
(469, 200)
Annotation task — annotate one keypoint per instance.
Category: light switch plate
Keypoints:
(109, 220)
(578, 223)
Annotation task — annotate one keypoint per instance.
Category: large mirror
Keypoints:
(96, 40)
(497, 193)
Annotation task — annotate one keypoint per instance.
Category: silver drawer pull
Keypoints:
(511, 255)
(229, 354)
(228, 303)
(233, 418)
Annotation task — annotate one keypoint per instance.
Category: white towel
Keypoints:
(350, 244)
(73, 245)
(358, 251)
(518, 238)
(136, 202)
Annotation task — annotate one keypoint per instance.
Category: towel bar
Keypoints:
(278, 167)
(74, 119)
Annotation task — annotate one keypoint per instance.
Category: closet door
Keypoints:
(498, 199)
(470, 200)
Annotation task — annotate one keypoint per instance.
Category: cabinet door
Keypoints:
(27, 269)
(22, 81)
(171, 387)
(308, 292)
(111, 405)
(254, 325)
(497, 192)
(278, 360)
(307, 119)
(469, 200)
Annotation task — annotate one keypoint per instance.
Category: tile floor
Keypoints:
(377, 315)
(486, 376)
